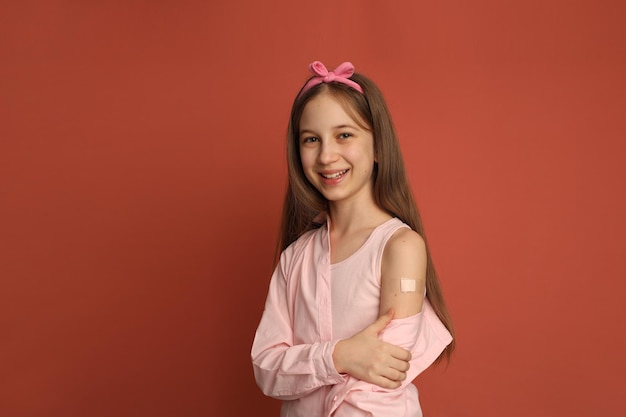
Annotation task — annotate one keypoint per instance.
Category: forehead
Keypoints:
(327, 109)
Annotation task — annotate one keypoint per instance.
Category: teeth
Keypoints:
(335, 175)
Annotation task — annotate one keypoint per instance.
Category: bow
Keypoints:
(341, 74)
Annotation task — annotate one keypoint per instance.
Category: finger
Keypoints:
(388, 383)
(382, 321)
(400, 353)
(401, 366)
(399, 376)
(394, 374)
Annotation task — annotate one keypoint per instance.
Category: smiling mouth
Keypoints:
(335, 175)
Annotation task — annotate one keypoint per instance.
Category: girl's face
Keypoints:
(336, 153)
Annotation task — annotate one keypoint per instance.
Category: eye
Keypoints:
(309, 139)
(345, 135)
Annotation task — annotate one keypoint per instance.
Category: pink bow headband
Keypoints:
(341, 74)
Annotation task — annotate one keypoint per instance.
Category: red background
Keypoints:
(142, 172)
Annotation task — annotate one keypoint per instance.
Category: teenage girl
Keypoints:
(354, 311)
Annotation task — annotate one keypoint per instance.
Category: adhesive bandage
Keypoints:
(408, 285)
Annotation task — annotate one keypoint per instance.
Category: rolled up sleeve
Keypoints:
(425, 337)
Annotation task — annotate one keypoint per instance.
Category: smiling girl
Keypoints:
(354, 310)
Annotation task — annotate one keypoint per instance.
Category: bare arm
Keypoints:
(403, 274)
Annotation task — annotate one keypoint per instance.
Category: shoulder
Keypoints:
(404, 256)
(300, 245)
(405, 242)
(305, 237)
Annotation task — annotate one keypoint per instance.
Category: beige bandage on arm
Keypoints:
(408, 285)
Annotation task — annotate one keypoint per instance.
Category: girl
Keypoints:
(354, 311)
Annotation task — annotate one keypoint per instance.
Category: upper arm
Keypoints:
(404, 257)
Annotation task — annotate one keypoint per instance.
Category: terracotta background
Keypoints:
(142, 172)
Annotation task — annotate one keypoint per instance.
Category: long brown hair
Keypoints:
(392, 191)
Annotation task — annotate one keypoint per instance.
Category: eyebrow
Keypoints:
(334, 127)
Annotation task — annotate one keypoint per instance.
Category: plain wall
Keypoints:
(142, 173)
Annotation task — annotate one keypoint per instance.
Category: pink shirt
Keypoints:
(310, 306)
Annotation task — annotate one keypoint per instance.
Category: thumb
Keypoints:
(382, 322)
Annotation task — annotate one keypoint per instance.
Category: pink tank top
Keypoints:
(355, 282)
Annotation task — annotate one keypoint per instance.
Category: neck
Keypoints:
(349, 216)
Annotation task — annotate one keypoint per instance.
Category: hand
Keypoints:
(366, 357)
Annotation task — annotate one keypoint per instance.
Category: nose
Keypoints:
(327, 152)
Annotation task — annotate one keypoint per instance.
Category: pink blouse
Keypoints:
(310, 306)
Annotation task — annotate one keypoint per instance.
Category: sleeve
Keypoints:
(283, 370)
(426, 337)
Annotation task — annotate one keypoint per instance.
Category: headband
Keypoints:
(341, 74)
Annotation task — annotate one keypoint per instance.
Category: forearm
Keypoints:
(290, 372)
